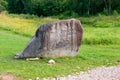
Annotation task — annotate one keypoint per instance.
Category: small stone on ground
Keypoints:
(51, 61)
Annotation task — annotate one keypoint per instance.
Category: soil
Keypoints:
(7, 77)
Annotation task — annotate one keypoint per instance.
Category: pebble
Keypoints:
(37, 78)
(32, 59)
(51, 61)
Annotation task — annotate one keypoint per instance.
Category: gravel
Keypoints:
(100, 73)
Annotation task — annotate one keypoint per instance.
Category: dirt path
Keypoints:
(100, 73)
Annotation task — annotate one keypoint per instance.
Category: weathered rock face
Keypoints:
(62, 38)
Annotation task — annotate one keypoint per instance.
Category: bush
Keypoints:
(115, 13)
(36, 7)
(56, 7)
(3, 5)
(68, 14)
(105, 11)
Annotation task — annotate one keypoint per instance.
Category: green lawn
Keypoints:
(89, 56)
(100, 46)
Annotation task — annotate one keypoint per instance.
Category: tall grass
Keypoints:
(101, 35)
(97, 30)
(101, 21)
(101, 29)
(26, 27)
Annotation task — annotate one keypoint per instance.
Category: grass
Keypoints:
(97, 30)
(89, 56)
(26, 27)
(100, 47)
(103, 36)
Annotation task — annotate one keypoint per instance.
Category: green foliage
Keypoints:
(37, 7)
(105, 12)
(3, 5)
(68, 14)
(115, 13)
(15, 6)
(56, 7)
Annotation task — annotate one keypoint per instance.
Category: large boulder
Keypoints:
(62, 38)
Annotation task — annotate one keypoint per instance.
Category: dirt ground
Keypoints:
(7, 77)
(100, 73)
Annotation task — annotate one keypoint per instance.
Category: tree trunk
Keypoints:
(88, 8)
(109, 8)
(105, 4)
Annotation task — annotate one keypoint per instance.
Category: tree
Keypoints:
(56, 7)
(3, 5)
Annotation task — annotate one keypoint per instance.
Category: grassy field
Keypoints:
(25, 27)
(100, 47)
(97, 30)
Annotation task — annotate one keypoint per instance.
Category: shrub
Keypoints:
(105, 11)
(68, 14)
(3, 5)
(115, 13)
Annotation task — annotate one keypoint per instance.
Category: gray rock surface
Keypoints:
(62, 38)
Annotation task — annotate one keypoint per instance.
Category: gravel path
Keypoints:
(100, 73)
